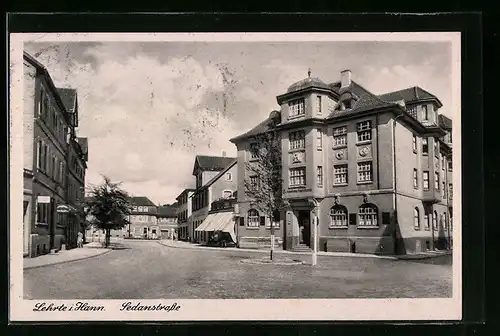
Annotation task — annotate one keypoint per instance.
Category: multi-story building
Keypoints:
(50, 119)
(143, 219)
(371, 169)
(216, 177)
(184, 212)
(168, 221)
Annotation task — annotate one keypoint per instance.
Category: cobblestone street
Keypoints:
(148, 270)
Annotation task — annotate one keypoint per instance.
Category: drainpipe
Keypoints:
(378, 152)
(394, 199)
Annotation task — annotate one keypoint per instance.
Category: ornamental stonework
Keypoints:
(364, 151)
(297, 157)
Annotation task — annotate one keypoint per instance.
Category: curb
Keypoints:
(67, 261)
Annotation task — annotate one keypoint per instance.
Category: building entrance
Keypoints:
(304, 220)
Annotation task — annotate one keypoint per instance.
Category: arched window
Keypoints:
(416, 219)
(368, 215)
(434, 221)
(426, 222)
(253, 218)
(338, 216)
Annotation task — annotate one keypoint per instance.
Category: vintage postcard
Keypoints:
(235, 176)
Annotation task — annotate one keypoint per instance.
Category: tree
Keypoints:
(263, 181)
(109, 206)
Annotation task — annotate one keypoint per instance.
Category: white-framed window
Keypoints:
(450, 190)
(365, 172)
(443, 220)
(253, 218)
(426, 179)
(427, 222)
(297, 139)
(434, 221)
(443, 162)
(46, 154)
(364, 130)
(254, 150)
(436, 181)
(425, 113)
(416, 218)
(414, 144)
(340, 136)
(42, 213)
(53, 167)
(319, 176)
(340, 174)
(319, 139)
(318, 105)
(443, 188)
(297, 177)
(415, 178)
(254, 182)
(425, 146)
(450, 165)
(39, 154)
(296, 107)
(229, 177)
(338, 216)
(368, 215)
(227, 194)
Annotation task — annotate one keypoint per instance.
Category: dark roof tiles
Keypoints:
(411, 94)
(167, 211)
(445, 122)
(212, 163)
(68, 97)
(307, 83)
(141, 201)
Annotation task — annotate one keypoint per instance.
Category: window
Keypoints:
(412, 111)
(415, 178)
(53, 168)
(254, 151)
(297, 139)
(46, 158)
(339, 136)
(368, 216)
(39, 154)
(253, 218)
(443, 188)
(42, 213)
(296, 107)
(338, 216)
(227, 194)
(340, 174)
(425, 146)
(425, 113)
(436, 147)
(416, 219)
(414, 144)
(319, 177)
(319, 139)
(436, 181)
(426, 180)
(229, 177)
(364, 172)
(297, 177)
(443, 220)
(318, 105)
(443, 164)
(364, 130)
(450, 165)
(434, 221)
(254, 183)
(450, 190)
(426, 222)
(44, 104)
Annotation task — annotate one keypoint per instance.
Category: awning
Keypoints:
(222, 221)
(206, 222)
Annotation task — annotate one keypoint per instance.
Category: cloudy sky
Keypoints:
(148, 108)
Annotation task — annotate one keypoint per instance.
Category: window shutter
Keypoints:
(352, 219)
(386, 218)
(262, 220)
(242, 221)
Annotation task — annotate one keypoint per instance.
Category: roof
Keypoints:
(307, 83)
(141, 201)
(187, 190)
(69, 98)
(218, 176)
(412, 94)
(212, 163)
(445, 122)
(263, 127)
(167, 211)
(84, 144)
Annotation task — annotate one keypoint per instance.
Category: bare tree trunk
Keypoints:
(108, 238)
(272, 240)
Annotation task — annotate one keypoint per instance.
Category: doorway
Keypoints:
(304, 220)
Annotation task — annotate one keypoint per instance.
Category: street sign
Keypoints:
(43, 199)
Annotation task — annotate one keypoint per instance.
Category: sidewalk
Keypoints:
(64, 256)
(186, 245)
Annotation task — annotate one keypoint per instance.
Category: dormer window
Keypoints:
(296, 107)
(318, 102)
(425, 113)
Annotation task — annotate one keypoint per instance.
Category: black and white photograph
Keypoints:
(223, 176)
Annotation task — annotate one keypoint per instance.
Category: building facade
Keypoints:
(168, 221)
(51, 215)
(143, 219)
(370, 171)
(184, 212)
(216, 177)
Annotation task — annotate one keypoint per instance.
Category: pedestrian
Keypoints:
(80, 240)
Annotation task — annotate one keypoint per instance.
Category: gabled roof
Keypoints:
(412, 94)
(185, 191)
(218, 176)
(141, 201)
(167, 211)
(445, 122)
(211, 163)
(69, 98)
(263, 127)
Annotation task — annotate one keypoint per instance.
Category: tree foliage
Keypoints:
(109, 207)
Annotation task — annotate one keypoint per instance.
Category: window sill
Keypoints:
(319, 186)
(427, 229)
(276, 228)
(339, 146)
(252, 227)
(341, 185)
(364, 142)
(296, 117)
(373, 227)
(297, 188)
(415, 188)
(425, 154)
(319, 148)
(415, 151)
(294, 150)
(417, 228)
(42, 224)
(343, 227)
(253, 159)
(364, 182)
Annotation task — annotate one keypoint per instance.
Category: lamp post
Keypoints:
(315, 204)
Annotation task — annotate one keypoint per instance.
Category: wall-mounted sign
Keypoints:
(43, 199)
(62, 208)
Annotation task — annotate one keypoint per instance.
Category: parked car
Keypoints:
(221, 239)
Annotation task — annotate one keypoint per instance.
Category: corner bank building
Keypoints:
(375, 169)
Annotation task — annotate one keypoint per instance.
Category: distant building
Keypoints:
(54, 163)
(184, 212)
(168, 221)
(143, 219)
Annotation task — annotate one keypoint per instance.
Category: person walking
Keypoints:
(80, 239)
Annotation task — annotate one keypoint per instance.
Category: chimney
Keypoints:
(345, 78)
(223, 153)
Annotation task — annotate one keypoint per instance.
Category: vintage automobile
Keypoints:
(221, 239)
